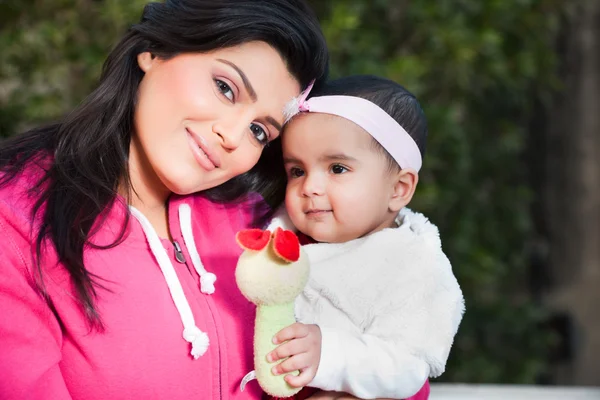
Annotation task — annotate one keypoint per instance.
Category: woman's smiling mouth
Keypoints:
(204, 154)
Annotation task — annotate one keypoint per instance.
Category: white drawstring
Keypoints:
(207, 279)
(191, 333)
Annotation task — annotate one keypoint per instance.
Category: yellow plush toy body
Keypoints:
(271, 272)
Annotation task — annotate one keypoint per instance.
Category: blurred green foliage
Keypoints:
(51, 54)
(478, 67)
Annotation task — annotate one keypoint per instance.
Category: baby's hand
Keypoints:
(303, 347)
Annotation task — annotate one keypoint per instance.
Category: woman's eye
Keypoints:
(296, 172)
(259, 133)
(338, 169)
(225, 89)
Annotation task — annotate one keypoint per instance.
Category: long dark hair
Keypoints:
(89, 148)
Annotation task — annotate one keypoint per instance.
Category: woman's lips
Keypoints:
(203, 153)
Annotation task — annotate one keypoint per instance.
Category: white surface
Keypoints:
(511, 392)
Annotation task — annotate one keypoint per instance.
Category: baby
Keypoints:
(382, 306)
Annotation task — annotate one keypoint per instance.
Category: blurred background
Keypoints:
(511, 89)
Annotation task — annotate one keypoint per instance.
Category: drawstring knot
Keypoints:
(207, 279)
(191, 332)
(198, 339)
(207, 282)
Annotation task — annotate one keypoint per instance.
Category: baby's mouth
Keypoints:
(316, 211)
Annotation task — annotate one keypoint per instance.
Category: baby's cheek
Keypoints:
(292, 205)
(347, 206)
(298, 219)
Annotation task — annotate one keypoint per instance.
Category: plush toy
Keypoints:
(271, 272)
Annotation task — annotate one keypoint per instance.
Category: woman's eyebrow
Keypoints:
(250, 89)
(242, 75)
(273, 122)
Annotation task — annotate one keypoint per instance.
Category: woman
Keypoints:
(104, 214)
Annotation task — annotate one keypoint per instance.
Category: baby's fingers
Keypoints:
(287, 349)
(293, 331)
(295, 363)
(306, 376)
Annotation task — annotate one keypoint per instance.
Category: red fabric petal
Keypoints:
(286, 245)
(253, 239)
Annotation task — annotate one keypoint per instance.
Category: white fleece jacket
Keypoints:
(388, 306)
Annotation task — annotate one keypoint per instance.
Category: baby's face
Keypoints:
(339, 187)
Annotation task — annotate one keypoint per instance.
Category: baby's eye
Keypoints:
(259, 133)
(225, 89)
(296, 172)
(338, 169)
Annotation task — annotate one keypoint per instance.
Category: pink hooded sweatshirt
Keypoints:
(170, 331)
(163, 338)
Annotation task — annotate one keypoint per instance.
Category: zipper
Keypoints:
(178, 253)
(220, 362)
(180, 258)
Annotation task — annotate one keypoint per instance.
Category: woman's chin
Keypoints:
(189, 185)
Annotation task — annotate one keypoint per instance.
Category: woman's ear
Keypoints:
(405, 184)
(146, 61)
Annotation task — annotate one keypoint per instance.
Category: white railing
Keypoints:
(511, 392)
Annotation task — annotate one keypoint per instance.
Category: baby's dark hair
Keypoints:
(390, 96)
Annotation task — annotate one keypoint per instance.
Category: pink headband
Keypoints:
(384, 129)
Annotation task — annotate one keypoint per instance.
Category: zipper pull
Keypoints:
(178, 253)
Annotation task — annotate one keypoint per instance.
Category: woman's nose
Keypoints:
(231, 132)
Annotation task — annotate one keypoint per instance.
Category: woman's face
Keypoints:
(204, 118)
